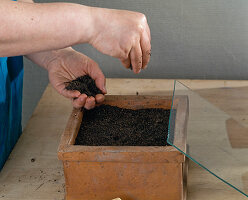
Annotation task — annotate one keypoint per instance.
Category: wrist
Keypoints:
(98, 16)
(52, 58)
(42, 58)
(86, 16)
(49, 58)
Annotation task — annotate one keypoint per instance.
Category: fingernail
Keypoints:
(78, 94)
(104, 89)
(145, 67)
(81, 99)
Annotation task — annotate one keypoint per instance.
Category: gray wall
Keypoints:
(34, 82)
(198, 39)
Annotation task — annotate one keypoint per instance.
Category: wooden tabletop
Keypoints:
(33, 171)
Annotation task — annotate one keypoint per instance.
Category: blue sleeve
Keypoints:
(11, 82)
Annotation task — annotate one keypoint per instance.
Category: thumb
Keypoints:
(100, 83)
(96, 73)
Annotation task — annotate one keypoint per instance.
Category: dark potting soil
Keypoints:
(85, 85)
(113, 126)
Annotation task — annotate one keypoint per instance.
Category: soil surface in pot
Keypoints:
(107, 125)
(85, 85)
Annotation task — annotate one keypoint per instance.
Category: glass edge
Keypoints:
(171, 143)
(172, 101)
(238, 190)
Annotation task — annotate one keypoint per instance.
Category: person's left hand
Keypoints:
(69, 64)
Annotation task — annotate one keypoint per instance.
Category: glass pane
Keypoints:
(216, 140)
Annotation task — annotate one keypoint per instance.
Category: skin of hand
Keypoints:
(66, 65)
(35, 27)
(122, 34)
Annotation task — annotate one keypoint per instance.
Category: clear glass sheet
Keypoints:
(217, 133)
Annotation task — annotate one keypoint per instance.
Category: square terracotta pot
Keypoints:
(128, 172)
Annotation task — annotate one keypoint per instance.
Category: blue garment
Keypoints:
(11, 81)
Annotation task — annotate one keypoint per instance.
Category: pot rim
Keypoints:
(67, 151)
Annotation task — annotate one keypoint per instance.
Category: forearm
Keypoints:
(29, 28)
(44, 58)
(28, 1)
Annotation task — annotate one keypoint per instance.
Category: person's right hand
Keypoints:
(122, 34)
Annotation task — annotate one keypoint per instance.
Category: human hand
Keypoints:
(67, 65)
(122, 34)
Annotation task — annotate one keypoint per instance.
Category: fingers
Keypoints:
(83, 100)
(90, 103)
(87, 102)
(140, 54)
(70, 93)
(80, 101)
(95, 73)
(99, 98)
(136, 58)
(146, 49)
(126, 62)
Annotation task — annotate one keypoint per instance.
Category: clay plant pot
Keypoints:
(128, 172)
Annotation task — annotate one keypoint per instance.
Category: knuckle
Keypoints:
(142, 21)
(75, 105)
(142, 17)
(135, 38)
(125, 54)
(88, 107)
(125, 48)
(141, 28)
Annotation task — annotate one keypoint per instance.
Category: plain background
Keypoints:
(192, 39)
